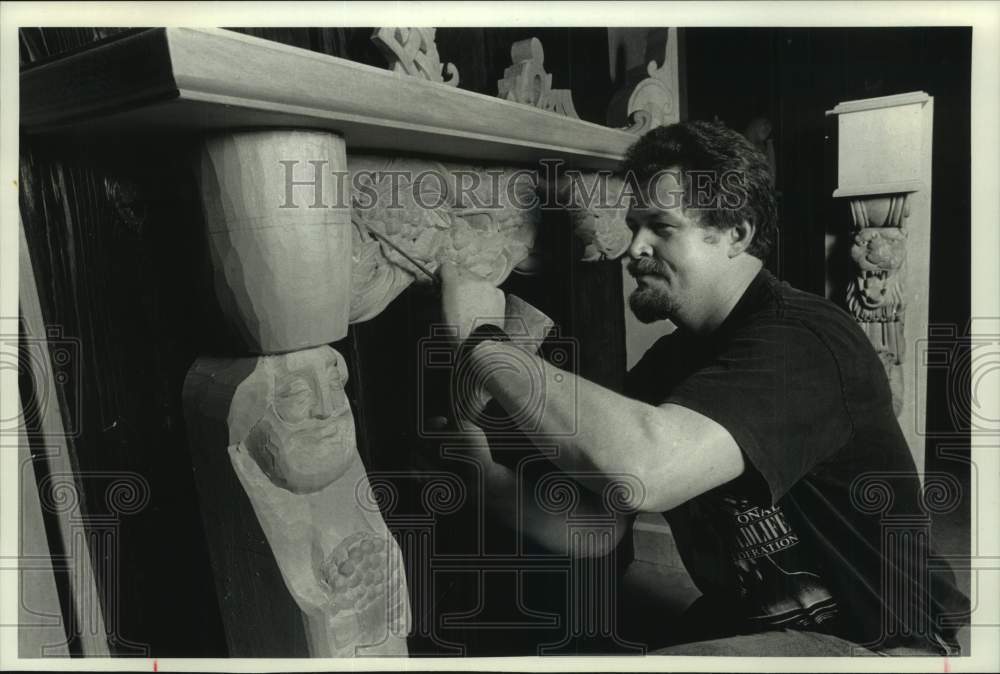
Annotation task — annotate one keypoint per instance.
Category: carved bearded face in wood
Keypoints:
(305, 439)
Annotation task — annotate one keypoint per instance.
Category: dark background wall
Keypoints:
(792, 76)
(112, 226)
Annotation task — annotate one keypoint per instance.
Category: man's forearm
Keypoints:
(597, 431)
(515, 503)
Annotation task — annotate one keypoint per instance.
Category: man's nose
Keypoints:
(330, 402)
(641, 245)
(322, 404)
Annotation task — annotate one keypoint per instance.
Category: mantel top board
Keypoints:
(214, 79)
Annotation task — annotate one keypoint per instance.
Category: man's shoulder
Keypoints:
(802, 313)
(781, 300)
(802, 327)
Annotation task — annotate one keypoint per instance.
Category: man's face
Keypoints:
(305, 440)
(674, 259)
(309, 393)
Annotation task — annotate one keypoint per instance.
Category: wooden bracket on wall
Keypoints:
(884, 170)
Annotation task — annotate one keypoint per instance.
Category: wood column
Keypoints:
(284, 493)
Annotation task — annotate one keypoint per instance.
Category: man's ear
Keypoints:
(740, 237)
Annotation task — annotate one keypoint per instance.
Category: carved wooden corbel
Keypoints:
(525, 81)
(286, 425)
(281, 245)
(884, 170)
(654, 100)
(412, 51)
(875, 296)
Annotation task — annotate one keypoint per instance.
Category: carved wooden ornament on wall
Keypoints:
(412, 51)
(525, 80)
(875, 296)
(884, 171)
(654, 101)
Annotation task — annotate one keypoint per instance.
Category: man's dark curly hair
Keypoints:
(732, 166)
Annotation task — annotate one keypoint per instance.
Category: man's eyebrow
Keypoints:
(668, 216)
(652, 216)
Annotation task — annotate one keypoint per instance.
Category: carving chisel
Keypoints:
(409, 258)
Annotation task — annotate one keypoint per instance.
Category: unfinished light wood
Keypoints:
(41, 630)
(884, 169)
(654, 101)
(875, 294)
(280, 251)
(413, 52)
(285, 426)
(483, 219)
(525, 80)
(187, 78)
(86, 619)
(597, 204)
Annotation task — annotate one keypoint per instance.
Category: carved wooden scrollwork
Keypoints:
(653, 102)
(412, 51)
(875, 294)
(597, 206)
(525, 81)
(483, 220)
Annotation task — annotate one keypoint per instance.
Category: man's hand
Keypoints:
(477, 447)
(468, 301)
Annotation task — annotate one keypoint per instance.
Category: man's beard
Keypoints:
(648, 302)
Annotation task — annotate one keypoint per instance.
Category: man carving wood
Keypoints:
(757, 427)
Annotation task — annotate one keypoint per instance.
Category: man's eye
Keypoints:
(294, 386)
(295, 389)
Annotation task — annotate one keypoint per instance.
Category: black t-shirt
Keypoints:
(825, 530)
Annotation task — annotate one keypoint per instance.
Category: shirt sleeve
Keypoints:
(778, 390)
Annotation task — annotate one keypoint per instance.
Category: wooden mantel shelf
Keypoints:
(195, 78)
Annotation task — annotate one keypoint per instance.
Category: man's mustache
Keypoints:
(646, 266)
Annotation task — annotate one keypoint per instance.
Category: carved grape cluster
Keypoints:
(355, 572)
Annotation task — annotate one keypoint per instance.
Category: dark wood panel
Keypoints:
(40, 44)
(111, 231)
